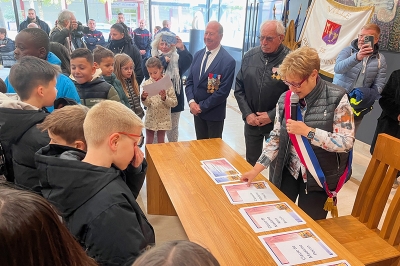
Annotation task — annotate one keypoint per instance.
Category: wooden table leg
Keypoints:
(158, 201)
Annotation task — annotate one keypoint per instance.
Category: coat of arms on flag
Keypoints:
(331, 32)
(329, 27)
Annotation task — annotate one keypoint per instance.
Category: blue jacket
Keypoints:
(9, 46)
(212, 105)
(142, 39)
(347, 69)
(93, 38)
(65, 87)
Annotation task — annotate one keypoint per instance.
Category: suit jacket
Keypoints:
(212, 105)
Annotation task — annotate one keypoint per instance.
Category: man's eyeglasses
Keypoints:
(139, 142)
(295, 85)
(267, 38)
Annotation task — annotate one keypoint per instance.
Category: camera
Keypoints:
(80, 30)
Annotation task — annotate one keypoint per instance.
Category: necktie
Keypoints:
(203, 68)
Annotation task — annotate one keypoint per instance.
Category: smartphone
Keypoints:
(369, 39)
(169, 39)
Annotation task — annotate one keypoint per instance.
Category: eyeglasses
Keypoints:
(139, 142)
(127, 68)
(266, 38)
(296, 85)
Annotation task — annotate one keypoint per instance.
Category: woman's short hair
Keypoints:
(300, 62)
(106, 118)
(32, 234)
(177, 252)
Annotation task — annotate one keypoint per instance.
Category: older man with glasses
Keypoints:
(258, 86)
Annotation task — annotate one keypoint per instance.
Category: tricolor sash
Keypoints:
(310, 161)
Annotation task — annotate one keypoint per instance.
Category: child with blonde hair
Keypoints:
(90, 189)
(158, 115)
(124, 71)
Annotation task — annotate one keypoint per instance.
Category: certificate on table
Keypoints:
(296, 247)
(220, 170)
(256, 192)
(155, 87)
(271, 217)
(335, 263)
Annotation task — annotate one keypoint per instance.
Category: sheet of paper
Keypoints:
(256, 192)
(296, 247)
(336, 263)
(222, 179)
(271, 217)
(220, 167)
(154, 88)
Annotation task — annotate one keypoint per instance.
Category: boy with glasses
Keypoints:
(89, 189)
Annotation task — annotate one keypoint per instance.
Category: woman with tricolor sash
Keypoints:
(309, 151)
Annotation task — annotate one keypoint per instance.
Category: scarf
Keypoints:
(173, 69)
(117, 46)
(173, 66)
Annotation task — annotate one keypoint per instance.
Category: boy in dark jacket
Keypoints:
(104, 60)
(34, 81)
(89, 190)
(91, 86)
(65, 127)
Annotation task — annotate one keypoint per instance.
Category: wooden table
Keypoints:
(177, 185)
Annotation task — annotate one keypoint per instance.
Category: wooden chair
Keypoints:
(358, 232)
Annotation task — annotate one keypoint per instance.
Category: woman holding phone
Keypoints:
(176, 59)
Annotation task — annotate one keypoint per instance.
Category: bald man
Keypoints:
(209, 83)
(142, 39)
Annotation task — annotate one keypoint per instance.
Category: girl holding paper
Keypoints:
(158, 114)
(176, 59)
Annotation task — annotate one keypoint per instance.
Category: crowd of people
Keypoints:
(71, 129)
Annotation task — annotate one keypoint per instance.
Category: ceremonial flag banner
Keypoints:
(330, 27)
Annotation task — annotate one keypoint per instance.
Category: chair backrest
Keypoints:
(377, 182)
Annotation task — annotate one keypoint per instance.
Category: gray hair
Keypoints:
(158, 39)
(280, 29)
(220, 29)
(64, 16)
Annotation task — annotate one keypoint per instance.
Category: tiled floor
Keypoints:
(169, 228)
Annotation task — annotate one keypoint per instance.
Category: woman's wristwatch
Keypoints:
(311, 134)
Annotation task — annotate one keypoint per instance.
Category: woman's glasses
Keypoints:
(295, 85)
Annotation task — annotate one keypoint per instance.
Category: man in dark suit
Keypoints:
(209, 83)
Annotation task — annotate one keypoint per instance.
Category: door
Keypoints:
(258, 11)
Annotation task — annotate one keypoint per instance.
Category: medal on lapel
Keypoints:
(214, 80)
(275, 74)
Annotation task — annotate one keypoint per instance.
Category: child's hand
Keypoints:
(163, 95)
(137, 158)
(144, 95)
